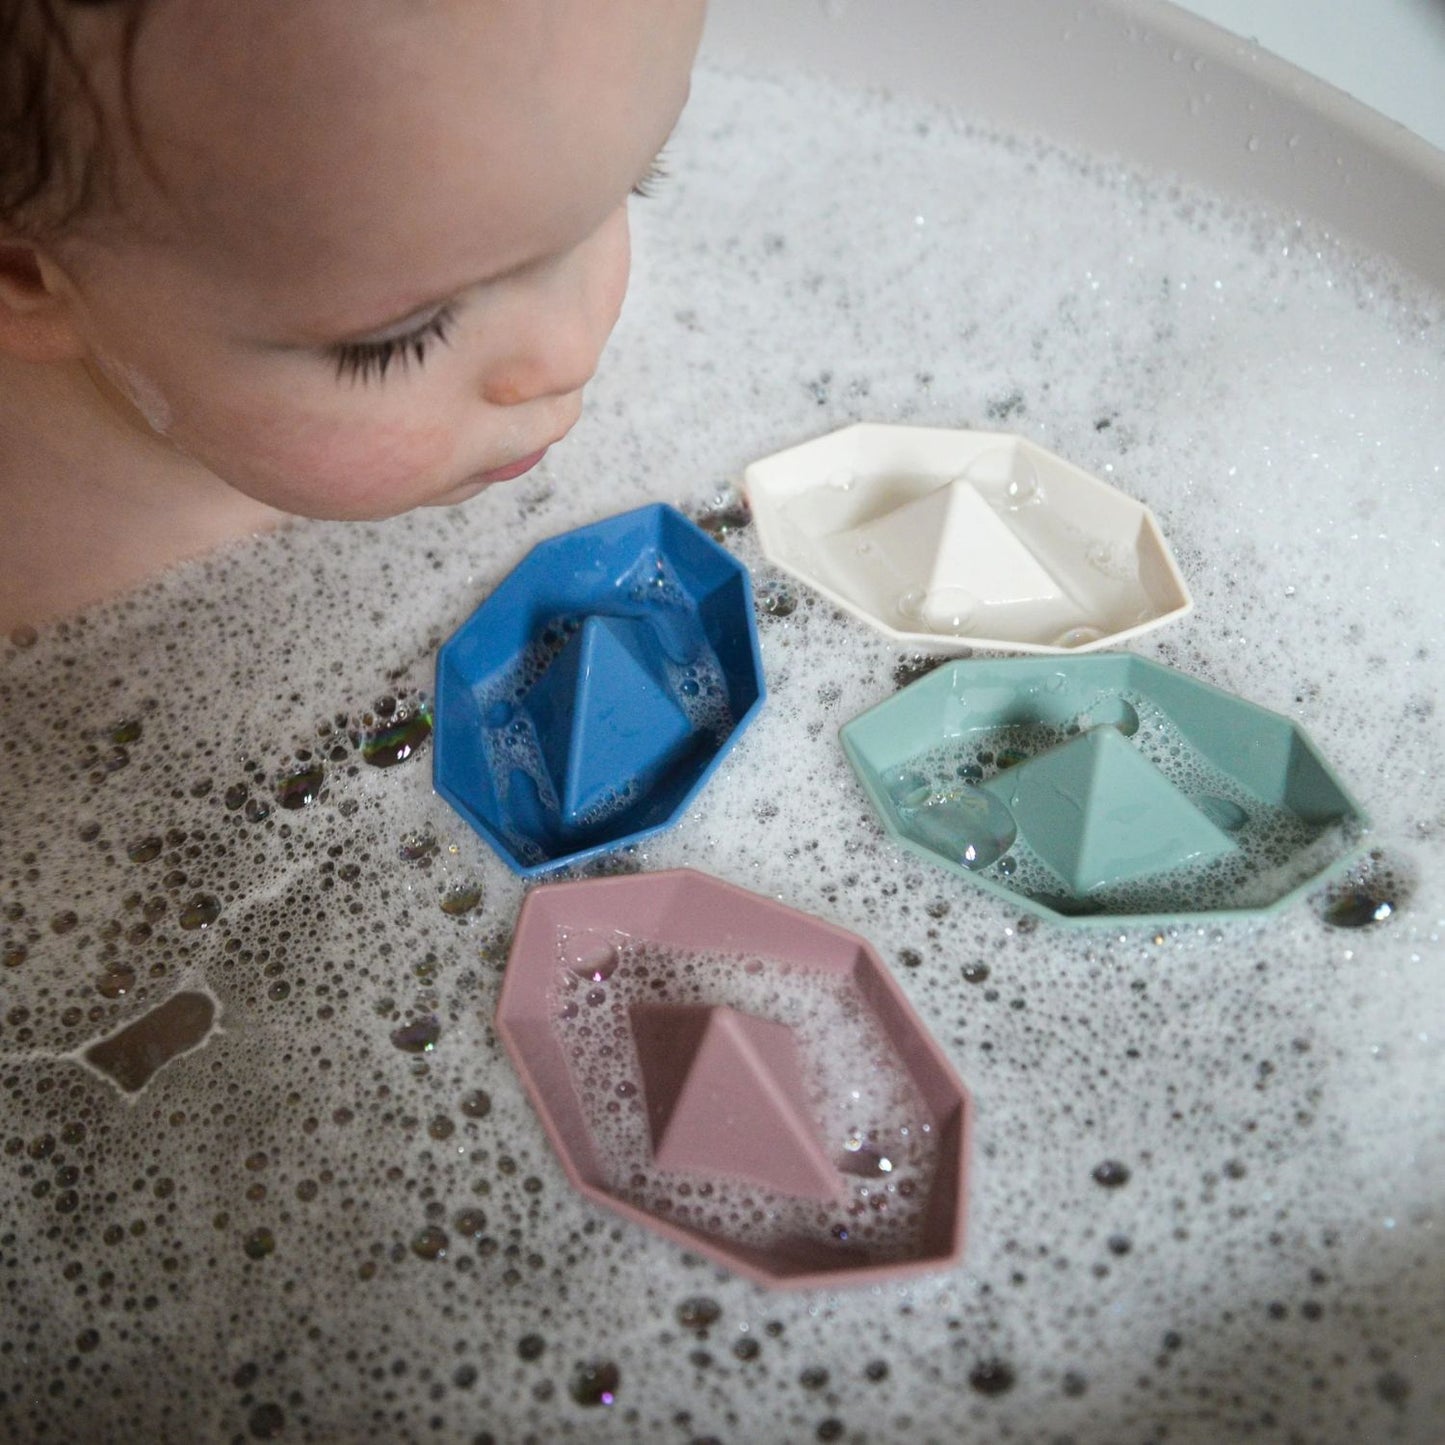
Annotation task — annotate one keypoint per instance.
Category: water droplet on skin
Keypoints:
(596, 1383)
(388, 746)
(1222, 812)
(1111, 1174)
(967, 826)
(418, 1037)
(300, 789)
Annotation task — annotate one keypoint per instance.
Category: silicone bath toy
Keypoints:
(745, 1079)
(583, 705)
(1103, 788)
(951, 540)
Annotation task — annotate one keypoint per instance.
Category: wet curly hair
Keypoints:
(52, 140)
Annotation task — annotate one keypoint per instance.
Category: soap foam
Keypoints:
(306, 1219)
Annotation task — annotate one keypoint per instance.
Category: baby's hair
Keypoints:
(52, 143)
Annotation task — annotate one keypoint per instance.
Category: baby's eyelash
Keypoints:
(371, 360)
(656, 174)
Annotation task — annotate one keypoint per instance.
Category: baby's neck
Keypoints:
(91, 505)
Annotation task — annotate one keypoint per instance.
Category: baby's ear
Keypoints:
(37, 321)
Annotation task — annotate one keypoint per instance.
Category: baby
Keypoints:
(336, 258)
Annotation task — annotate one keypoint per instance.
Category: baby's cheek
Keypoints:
(346, 469)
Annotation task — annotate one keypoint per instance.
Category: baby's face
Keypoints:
(389, 240)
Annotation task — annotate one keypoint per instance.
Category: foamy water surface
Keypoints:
(1209, 1163)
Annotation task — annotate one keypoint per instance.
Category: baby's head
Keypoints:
(351, 256)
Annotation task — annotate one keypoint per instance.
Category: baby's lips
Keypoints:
(513, 469)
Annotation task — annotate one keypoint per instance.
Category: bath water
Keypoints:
(1209, 1160)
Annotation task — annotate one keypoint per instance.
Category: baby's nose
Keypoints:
(555, 361)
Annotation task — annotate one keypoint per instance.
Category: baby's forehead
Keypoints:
(319, 155)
